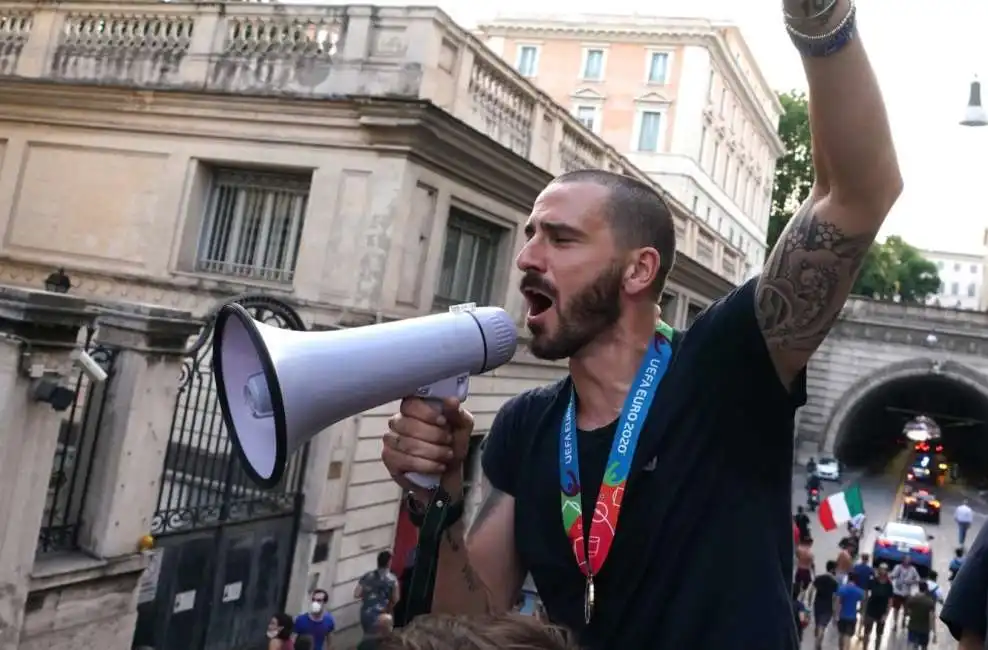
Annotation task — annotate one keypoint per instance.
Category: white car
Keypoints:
(828, 469)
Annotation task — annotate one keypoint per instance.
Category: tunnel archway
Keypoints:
(865, 426)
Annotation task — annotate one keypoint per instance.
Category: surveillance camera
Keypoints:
(89, 366)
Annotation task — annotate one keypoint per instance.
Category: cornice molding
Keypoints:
(970, 343)
(432, 137)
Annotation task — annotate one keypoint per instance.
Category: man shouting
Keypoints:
(648, 493)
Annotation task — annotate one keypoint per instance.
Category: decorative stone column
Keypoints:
(92, 593)
(135, 427)
(38, 332)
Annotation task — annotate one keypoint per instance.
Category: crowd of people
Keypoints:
(856, 599)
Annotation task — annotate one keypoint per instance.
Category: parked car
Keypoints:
(828, 469)
(898, 539)
(921, 505)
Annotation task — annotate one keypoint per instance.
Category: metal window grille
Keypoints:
(469, 259)
(253, 225)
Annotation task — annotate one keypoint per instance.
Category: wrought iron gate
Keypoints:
(225, 547)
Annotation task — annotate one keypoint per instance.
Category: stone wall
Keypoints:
(876, 342)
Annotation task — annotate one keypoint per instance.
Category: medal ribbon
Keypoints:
(605, 519)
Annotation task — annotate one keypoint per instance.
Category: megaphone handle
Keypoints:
(434, 394)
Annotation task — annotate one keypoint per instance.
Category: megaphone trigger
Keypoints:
(433, 395)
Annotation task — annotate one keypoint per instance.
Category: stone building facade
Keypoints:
(333, 167)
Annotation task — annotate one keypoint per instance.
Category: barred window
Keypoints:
(253, 224)
(469, 259)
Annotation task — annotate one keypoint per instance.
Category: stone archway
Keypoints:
(917, 367)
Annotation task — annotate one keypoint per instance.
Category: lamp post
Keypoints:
(975, 114)
(58, 282)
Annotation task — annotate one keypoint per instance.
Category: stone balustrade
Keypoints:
(319, 52)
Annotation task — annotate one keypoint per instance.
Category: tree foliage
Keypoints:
(794, 171)
(892, 270)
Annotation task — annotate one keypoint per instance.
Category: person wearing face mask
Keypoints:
(280, 632)
(317, 622)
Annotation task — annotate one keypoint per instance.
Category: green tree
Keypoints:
(895, 270)
(794, 171)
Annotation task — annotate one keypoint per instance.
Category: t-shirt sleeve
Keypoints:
(330, 622)
(300, 624)
(729, 330)
(968, 596)
(500, 457)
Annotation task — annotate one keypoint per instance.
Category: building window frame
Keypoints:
(585, 62)
(650, 58)
(520, 51)
(593, 124)
(660, 110)
(481, 290)
(242, 196)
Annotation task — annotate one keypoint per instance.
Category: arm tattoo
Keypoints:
(807, 279)
(470, 578)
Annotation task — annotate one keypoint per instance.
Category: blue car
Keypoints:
(897, 539)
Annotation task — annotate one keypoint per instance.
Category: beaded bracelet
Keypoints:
(829, 43)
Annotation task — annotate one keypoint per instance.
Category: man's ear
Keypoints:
(642, 270)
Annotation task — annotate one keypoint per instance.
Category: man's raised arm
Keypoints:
(811, 270)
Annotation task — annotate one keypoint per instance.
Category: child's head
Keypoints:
(509, 632)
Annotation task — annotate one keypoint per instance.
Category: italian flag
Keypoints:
(840, 508)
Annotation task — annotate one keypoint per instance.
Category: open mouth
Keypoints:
(538, 302)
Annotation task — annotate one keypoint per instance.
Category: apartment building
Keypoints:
(682, 98)
(962, 279)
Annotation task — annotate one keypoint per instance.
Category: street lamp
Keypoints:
(58, 282)
(975, 114)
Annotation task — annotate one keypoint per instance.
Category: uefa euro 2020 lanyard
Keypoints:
(604, 522)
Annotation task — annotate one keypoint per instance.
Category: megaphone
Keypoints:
(278, 388)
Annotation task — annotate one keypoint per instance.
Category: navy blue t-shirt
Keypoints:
(863, 572)
(703, 553)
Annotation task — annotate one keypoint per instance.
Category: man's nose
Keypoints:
(531, 257)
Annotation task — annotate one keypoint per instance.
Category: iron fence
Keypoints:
(204, 486)
(72, 466)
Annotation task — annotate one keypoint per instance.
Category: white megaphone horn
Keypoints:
(278, 388)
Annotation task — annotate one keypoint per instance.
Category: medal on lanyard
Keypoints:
(592, 547)
(588, 599)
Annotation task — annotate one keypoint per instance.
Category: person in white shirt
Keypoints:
(904, 577)
(856, 524)
(963, 515)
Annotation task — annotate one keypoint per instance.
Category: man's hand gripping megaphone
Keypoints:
(426, 438)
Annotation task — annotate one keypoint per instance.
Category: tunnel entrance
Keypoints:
(871, 434)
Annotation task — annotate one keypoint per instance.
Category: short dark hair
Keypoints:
(323, 592)
(383, 559)
(286, 623)
(830, 566)
(445, 632)
(638, 213)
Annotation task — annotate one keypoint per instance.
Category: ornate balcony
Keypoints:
(318, 52)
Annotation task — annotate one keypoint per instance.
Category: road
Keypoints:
(881, 500)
